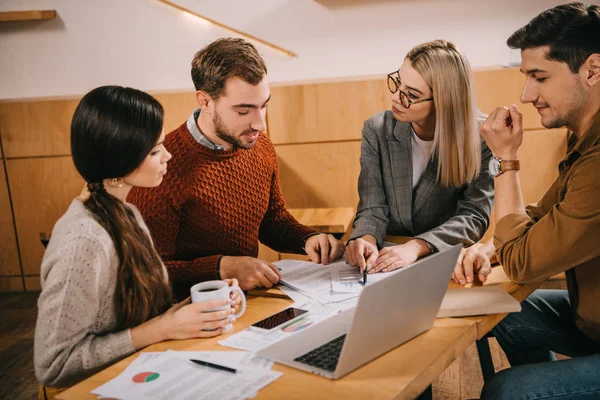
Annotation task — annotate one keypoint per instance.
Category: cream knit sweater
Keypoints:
(76, 334)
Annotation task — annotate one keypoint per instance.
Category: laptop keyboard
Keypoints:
(325, 356)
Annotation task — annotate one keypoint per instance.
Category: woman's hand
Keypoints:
(234, 296)
(394, 257)
(184, 320)
(187, 320)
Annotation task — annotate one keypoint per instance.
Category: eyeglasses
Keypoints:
(393, 83)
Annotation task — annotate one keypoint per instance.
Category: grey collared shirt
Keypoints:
(198, 135)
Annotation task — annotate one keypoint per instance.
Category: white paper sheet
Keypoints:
(312, 280)
(171, 376)
(305, 276)
(232, 359)
(297, 296)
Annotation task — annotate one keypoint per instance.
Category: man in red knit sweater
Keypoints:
(222, 193)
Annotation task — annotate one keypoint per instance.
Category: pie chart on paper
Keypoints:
(145, 377)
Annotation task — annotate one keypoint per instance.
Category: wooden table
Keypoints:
(402, 373)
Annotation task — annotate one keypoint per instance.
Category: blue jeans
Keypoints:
(529, 338)
(577, 378)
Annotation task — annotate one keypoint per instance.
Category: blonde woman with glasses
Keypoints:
(423, 164)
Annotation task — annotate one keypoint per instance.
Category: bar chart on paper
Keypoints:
(345, 278)
(348, 278)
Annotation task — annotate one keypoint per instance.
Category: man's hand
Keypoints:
(503, 132)
(362, 253)
(472, 260)
(323, 248)
(249, 271)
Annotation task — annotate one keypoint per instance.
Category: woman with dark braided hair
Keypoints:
(105, 291)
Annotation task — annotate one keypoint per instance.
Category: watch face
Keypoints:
(494, 166)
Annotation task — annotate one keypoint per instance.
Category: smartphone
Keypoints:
(281, 318)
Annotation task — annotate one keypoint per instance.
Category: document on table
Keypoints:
(348, 279)
(171, 375)
(232, 359)
(305, 276)
(312, 280)
(331, 300)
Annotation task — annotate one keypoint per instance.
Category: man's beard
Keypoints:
(576, 102)
(223, 133)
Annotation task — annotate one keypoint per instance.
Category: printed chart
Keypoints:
(350, 277)
(347, 279)
(144, 377)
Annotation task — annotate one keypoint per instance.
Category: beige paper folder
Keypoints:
(477, 301)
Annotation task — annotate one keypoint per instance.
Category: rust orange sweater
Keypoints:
(213, 203)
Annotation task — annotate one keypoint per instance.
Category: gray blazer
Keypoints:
(389, 205)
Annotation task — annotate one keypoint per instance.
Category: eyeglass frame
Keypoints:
(396, 81)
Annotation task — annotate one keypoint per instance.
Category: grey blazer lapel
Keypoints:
(426, 185)
(400, 154)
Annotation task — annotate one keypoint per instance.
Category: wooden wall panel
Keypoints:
(11, 284)
(324, 111)
(503, 87)
(9, 258)
(36, 128)
(178, 107)
(42, 128)
(32, 284)
(301, 113)
(41, 189)
(320, 175)
(540, 154)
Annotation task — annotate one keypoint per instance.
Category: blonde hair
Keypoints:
(456, 140)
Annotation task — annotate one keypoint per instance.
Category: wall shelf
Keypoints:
(30, 15)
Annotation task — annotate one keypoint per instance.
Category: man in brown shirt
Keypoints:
(560, 51)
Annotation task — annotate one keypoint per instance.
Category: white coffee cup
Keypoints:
(214, 290)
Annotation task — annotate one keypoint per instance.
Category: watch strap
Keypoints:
(510, 165)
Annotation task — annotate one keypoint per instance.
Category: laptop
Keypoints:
(389, 312)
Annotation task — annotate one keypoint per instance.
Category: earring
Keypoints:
(118, 182)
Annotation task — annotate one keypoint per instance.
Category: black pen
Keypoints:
(215, 366)
(365, 276)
